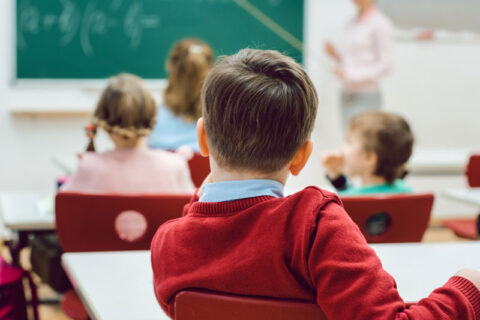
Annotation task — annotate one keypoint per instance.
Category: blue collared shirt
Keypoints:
(171, 132)
(240, 189)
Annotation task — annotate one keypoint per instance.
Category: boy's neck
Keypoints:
(371, 180)
(219, 174)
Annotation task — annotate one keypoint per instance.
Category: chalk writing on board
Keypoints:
(115, 4)
(90, 23)
(136, 21)
(68, 22)
(29, 22)
(49, 21)
(94, 23)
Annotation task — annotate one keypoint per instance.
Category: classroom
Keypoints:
(239, 159)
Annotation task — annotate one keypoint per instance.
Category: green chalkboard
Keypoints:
(92, 39)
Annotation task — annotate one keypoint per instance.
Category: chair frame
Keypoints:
(205, 305)
(409, 215)
(472, 171)
(85, 222)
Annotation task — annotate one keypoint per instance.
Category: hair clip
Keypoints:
(195, 49)
(91, 128)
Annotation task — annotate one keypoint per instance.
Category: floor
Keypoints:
(435, 233)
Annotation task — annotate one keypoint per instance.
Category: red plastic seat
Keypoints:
(88, 222)
(391, 218)
(464, 228)
(200, 305)
(199, 169)
(473, 171)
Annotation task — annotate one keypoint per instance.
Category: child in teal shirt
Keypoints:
(376, 149)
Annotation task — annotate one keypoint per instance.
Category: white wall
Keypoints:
(433, 85)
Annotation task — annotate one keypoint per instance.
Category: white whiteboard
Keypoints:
(452, 15)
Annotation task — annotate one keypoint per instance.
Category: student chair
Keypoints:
(468, 228)
(391, 218)
(87, 222)
(200, 305)
(199, 169)
(472, 171)
(464, 228)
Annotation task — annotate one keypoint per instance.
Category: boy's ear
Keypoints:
(301, 158)
(202, 138)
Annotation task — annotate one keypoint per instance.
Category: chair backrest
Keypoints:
(199, 168)
(473, 171)
(87, 222)
(391, 218)
(199, 305)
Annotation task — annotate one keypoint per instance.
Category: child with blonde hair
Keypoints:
(376, 149)
(188, 64)
(126, 111)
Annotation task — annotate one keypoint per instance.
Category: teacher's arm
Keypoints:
(332, 52)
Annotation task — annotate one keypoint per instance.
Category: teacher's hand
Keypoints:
(339, 73)
(331, 51)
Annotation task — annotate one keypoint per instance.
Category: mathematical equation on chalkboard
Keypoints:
(73, 22)
(95, 19)
(94, 39)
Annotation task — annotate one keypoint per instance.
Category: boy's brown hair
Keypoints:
(259, 109)
(390, 137)
(126, 107)
(189, 62)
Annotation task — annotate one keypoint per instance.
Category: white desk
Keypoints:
(118, 285)
(466, 195)
(420, 268)
(439, 161)
(114, 285)
(27, 212)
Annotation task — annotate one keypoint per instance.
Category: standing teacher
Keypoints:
(364, 56)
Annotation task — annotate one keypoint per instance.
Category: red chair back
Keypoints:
(88, 222)
(199, 305)
(473, 171)
(199, 169)
(464, 228)
(391, 218)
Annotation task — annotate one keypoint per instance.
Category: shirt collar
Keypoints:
(240, 189)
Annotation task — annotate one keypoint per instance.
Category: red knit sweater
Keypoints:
(303, 247)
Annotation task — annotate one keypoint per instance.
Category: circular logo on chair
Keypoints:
(378, 223)
(130, 225)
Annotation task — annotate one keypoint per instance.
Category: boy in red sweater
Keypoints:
(239, 235)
